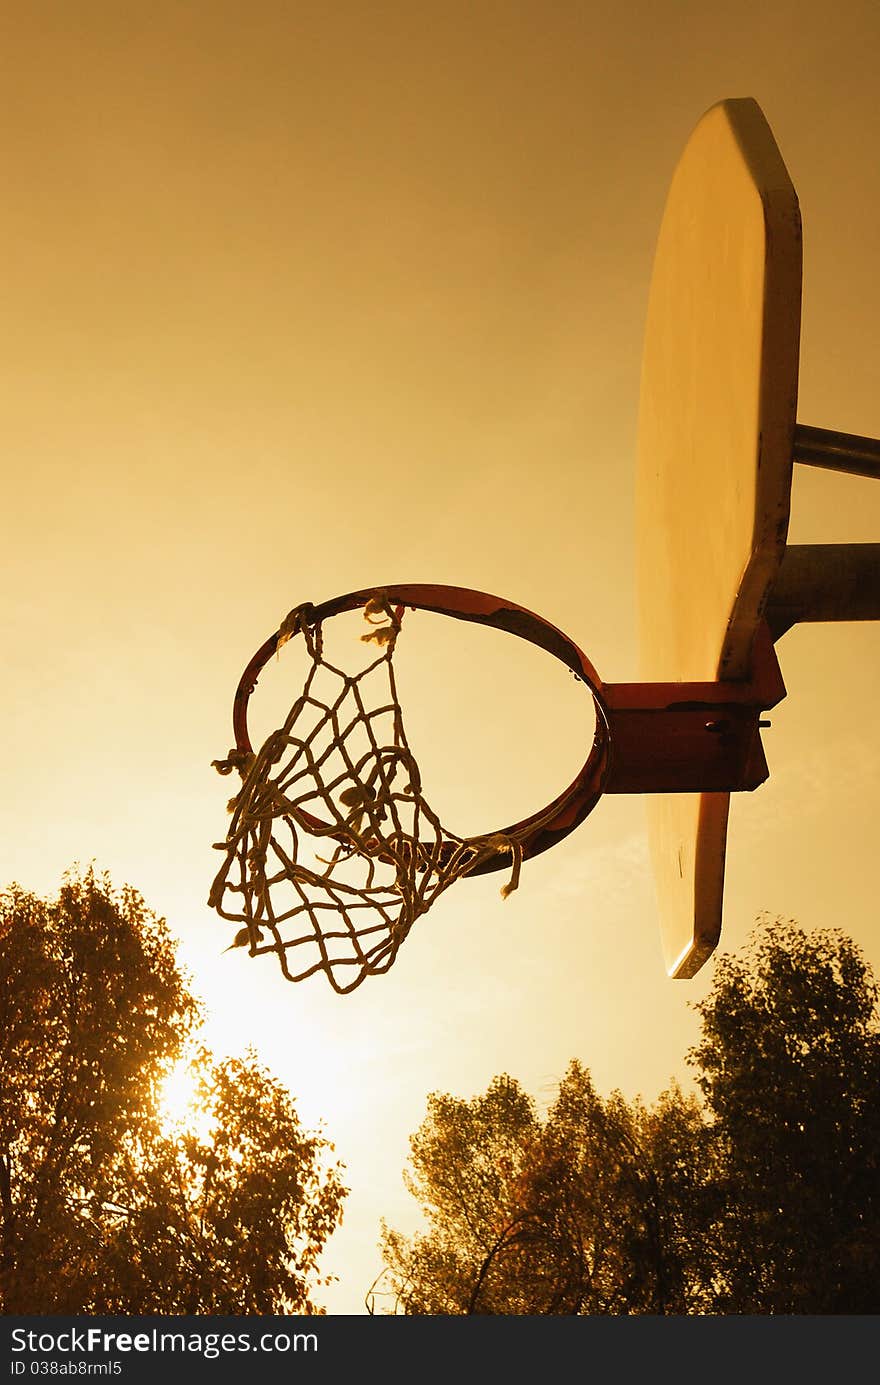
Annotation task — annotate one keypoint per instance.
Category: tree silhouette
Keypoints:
(580, 1212)
(762, 1198)
(789, 1064)
(102, 1209)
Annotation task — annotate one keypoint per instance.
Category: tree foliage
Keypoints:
(764, 1197)
(103, 1207)
(789, 1065)
(578, 1212)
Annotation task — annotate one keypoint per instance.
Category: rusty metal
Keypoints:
(692, 737)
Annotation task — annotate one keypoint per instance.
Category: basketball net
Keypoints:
(333, 851)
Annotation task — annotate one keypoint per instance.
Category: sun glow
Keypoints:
(181, 1108)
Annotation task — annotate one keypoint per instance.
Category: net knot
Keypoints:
(235, 759)
(301, 618)
(377, 610)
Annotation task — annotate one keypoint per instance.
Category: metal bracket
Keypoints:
(691, 737)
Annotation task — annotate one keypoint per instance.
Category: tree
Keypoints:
(578, 1213)
(235, 1218)
(463, 1156)
(789, 1064)
(764, 1197)
(102, 1209)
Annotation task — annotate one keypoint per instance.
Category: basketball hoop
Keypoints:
(339, 775)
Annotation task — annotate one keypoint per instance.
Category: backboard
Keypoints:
(716, 428)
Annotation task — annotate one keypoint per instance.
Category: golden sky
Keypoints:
(306, 297)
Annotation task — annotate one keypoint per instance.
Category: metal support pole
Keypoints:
(837, 451)
(825, 581)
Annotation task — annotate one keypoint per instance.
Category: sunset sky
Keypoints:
(302, 298)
